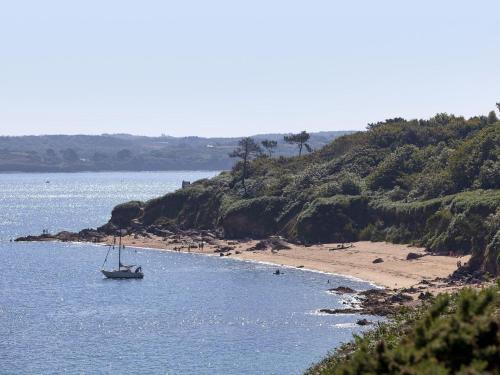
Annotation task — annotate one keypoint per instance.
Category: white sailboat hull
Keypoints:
(122, 274)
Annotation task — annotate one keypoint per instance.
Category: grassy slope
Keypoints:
(431, 182)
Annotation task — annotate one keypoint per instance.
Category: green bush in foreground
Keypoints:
(454, 335)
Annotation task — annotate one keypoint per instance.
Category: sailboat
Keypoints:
(123, 271)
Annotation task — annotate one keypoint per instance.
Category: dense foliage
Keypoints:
(431, 182)
(454, 335)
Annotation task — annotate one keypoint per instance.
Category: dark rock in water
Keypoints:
(66, 236)
(342, 289)
(341, 311)
(378, 260)
(363, 322)
(412, 256)
(42, 237)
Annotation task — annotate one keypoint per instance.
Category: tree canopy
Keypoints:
(247, 150)
(269, 145)
(300, 139)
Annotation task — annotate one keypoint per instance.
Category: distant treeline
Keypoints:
(109, 152)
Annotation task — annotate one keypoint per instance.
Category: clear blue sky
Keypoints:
(228, 68)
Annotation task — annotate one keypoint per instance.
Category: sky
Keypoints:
(234, 68)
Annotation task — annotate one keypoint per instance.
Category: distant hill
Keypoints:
(120, 152)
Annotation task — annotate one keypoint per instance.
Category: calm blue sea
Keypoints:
(191, 314)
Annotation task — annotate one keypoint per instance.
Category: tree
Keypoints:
(51, 156)
(124, 154)
(269, 146)
(395, 120)
(492, 117)
(69, 155)
(300, 139)
(498, 106)
(247, 150)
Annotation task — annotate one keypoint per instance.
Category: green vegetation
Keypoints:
(269, 146)
(433, 183)
(247, 150)
(299, 139)
(453, 335)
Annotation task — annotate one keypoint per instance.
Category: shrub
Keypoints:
(457, 334)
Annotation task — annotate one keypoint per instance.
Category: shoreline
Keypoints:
(382, 264)
(400, 275)
(240, 259)
(394, 271)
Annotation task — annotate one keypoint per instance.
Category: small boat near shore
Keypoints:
(123, 271)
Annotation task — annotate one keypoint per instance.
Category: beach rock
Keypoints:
(400, 298)
(378, 260)
(413, 256)
(426, 282)
(424, 296)
(223, 249)
(261, 245)
(410, 290)
(273, 243)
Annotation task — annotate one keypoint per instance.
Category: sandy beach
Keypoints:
(394, 271)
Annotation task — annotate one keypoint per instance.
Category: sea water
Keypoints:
(191, 314)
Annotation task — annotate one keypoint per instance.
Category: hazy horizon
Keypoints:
(163, 135)
(225, 69)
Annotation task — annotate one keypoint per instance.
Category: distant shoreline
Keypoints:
(124, 152)
(115, 171)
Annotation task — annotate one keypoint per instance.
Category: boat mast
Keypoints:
(120, 251)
